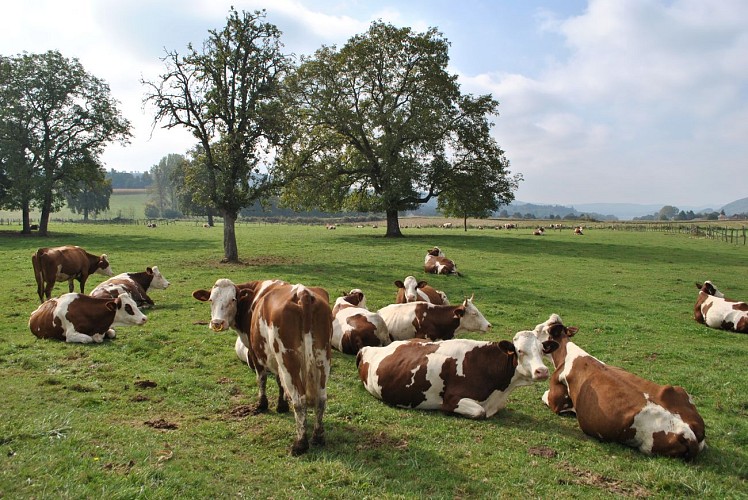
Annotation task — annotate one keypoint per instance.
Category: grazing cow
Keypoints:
(578, 230)
(425, 320)
(74, 317)
(287, 330)
(715, 311)
(354, 326)
(447, 225)
(136, 284)
(468, 377)
(510, 225)
(65, 264)
(612, 404)
(412, 290)
(436, 263)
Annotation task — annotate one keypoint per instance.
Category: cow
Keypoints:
(540, 231)
(136, 284)
(436, 263)
(286, 329)
(435, 322)
(470, 378)
(614, 405)
(714, 310)
(412, 290)
(354, 326)
(447, 225)
(74, 317)
(65, 263)
(578, 230)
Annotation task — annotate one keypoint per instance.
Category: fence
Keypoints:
(734, 235)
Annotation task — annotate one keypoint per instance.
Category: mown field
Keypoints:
(161, 411)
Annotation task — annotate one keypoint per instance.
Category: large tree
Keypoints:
(382, 126)
(66, 114)
(227, 95)
(163, 190)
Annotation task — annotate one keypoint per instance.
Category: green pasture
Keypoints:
(160, 412)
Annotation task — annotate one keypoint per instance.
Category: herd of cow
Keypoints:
(406, 353)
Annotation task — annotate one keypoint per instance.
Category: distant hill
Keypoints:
(736, 207)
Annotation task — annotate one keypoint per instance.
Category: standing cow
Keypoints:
(714, 310)
(136, 284)
(468, 377)
(287, 330)
(412, 290)
(354, 326)
(435, 322)
(65, 264)
(74, 317)
(612, 404)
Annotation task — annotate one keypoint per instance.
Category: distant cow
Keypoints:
(612, 404)
(354, 326)
(540, 231)
(412, 290)
(436, 263)
(74, 317)
(136, 284)
(287, 330)
(467, 377)
(65, 264)
(578, 230)
(447, 225)
(435, 322)
(716, 311)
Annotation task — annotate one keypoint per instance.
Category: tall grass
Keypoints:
(158, 412)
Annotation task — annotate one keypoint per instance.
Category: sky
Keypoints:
(601, 101)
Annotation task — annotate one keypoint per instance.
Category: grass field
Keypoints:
(160, 411)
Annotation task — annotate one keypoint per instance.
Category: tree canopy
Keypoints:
(227, 95)
(380, 125)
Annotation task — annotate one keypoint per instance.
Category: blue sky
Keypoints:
(616, 101)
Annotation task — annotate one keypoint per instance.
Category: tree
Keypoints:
(381, 126)
(163, 190)
(64, 114)
(667, 212)
(227, 95)
(90, 195)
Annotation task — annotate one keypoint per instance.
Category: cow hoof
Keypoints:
(300, 447)
(282, 405)
(318, 438)
(98, 338)
(110, 334)
(261, 407)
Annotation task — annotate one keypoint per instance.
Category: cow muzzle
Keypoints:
(217, 325)
(540, 373)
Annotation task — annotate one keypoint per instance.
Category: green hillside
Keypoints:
(124, 203)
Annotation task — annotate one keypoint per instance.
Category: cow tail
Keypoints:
(305, 300)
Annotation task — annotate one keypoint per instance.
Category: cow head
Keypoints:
(223, 298)
(709, 289)
(103, 266)
(126, 311)
(471, 319)
(553, 329)
(158, 281)
(435, 252)
(410, 286)
(527, 353)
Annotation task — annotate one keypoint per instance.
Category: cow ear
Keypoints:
(201, 295)
(149, 270)
(459, 311)
(507, 347)
(571, 331)
(421, 284)
(399, 284)
(549, 346)
(113, 305)
(244, 292)
(699, 285)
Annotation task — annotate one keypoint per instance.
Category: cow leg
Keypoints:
(557, 398)
(71, 286)
(262, 404)
(98, 337)
(48, 289)
(282, 401)
(110, 334)
(318, 435)
(301, 445)
(77, 337)
(470, 408)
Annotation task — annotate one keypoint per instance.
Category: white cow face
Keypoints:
(127, 312)
(158, 282)
(410, 284)
(529, 351)
(223, 299)
(473, 320)
(104, 267)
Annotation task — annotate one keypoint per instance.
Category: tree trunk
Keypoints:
(85, 215)
(44, 218)
(393, 225)
(464, 223)
(230, 251)
(26, 219)
(210, 218)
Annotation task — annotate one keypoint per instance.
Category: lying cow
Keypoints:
(354, 326)
(287, 330)
(412, 290)
(715, 311)
(467, 377)
(136, 284)
(435, 262)
(74, 317)
(435, 322)
(612, 404)
(65, 264)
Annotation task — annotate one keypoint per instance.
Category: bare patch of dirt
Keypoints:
(80, 388)
(613, 486)
(381, 440)
(144, 384)
(119, 468)
(138, 398)
(542, 451)
(161, 424)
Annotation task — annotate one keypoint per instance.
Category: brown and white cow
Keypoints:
(354, 326)
(74, 317)
(612, 404)
(436, 263)
(714, 310)
(468, 377)
(435, 322)
(136, 284)
(287, 330)
(579, 230)
(412, 290)
(65, 263)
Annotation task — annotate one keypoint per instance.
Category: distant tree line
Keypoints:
(671, 213)
(129, 180)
